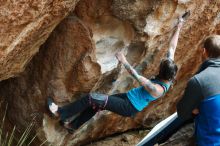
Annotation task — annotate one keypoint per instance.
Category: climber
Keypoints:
(202, 99)
(124, 104)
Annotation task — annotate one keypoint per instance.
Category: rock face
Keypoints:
(78, 57)
(25, 26)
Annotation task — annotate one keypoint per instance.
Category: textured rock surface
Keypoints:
(128, 138)
(78, 57)
(182, 138)
(25, 25)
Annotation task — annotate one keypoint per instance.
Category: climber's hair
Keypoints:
(212, 46)
(168, 69)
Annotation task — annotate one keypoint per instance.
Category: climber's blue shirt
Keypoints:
(140, 98)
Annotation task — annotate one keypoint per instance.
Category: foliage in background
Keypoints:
(9, 138)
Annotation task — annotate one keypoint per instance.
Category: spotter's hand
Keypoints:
(195, 111)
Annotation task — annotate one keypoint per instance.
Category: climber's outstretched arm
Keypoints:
(175, 37)
(173, 41)
(148, 85)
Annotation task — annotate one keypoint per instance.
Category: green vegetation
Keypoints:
(10, 138)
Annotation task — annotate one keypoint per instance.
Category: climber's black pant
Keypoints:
(118, 103)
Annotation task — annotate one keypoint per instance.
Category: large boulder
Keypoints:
(78, 57)
(25, 26)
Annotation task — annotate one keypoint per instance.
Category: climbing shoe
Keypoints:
(53, 108)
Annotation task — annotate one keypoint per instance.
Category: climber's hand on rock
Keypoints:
(180, 23)
(121, 58)
(182, 19)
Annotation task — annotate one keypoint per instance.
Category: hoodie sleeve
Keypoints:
(190, 100)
